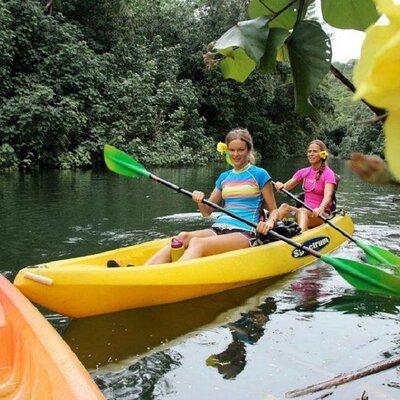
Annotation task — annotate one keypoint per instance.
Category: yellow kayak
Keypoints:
(35, 362)
(84, 286)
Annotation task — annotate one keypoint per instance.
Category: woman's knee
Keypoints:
(196, 243)
(284, 207)
(303, 212)
(185, 237)
(283, 210)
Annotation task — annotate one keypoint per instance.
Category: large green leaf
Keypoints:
(268, 8)
(276, 39)
(237, 65)
(250, 35)
(349, 14)
(310, 58)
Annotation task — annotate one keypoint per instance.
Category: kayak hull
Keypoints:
(84, 286)
(35, 363)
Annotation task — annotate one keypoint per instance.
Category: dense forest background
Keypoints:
(77, 74)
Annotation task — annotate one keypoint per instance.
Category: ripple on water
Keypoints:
(129, 237)
(192, 216)
(385, 236)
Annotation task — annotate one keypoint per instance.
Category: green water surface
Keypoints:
(265, 339)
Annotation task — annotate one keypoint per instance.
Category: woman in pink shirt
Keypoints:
(318, 183)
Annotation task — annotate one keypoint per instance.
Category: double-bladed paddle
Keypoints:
(362, 276)
(375, 255)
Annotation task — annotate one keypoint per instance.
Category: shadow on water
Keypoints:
(142, 378)
(128, 335)
(139, 378)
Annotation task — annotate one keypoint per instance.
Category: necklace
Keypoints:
(313, 182)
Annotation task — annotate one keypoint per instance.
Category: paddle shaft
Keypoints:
(291, 195)
(233, 215)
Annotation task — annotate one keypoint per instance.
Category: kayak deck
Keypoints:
(84, 286)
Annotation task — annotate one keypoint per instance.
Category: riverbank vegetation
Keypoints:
(76, 75)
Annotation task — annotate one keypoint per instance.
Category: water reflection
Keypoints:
(361, 304)
(124, 337)
(313, 295)
(308, 289)
(245, 331)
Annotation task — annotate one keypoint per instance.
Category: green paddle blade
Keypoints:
(365, 276)
(377, 255)
(123, 164)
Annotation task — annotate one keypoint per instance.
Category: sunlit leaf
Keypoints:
(391, 8)
(250, 35)
(310, 58)
(392, 143)
(237, 65)
(276, 39)
(283, 54)
(349, 14)
(376, 75)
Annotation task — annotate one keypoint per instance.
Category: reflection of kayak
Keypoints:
(35, 363)
(124, 337)
(84, 286)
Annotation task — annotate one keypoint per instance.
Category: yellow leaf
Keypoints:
(389, 8)
(376, 75)
(282, 54)
(392, 143)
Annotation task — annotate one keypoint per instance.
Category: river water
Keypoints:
(257, 342)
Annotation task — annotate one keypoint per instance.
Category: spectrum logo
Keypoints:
(316, 244)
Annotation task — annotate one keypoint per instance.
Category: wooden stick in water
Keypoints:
(344, 378)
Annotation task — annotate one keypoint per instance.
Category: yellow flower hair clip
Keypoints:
(323, 154)
(222, 148)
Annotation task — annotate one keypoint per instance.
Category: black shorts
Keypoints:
(251, 236)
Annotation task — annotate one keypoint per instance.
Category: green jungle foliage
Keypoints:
(77, 74)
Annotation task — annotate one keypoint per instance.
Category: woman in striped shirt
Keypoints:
(244, 190)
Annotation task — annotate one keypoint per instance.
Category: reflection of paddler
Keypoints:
(246, 330)
(126, 335)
